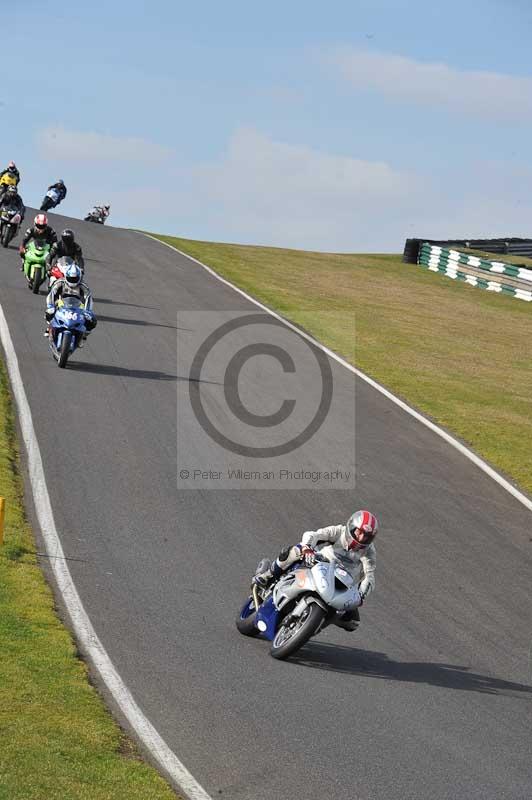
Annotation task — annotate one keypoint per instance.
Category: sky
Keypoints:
(345, 126)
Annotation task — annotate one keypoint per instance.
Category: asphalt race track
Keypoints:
(430, 698)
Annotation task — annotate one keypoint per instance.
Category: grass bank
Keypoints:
(461, 355)
(57, 740)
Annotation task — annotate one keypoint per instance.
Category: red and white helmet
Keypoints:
(40, 221)
(360, 530)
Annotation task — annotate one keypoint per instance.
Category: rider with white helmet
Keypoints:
(350, 544)
(70, 286)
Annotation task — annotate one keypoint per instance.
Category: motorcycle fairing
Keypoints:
(266, 619)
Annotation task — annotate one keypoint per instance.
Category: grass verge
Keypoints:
(57, 740)
(460, 354)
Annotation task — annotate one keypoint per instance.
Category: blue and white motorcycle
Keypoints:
(67, 328)
(52, 198)
(299, 605)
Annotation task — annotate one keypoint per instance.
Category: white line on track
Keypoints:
(527, 502)
(83, 629)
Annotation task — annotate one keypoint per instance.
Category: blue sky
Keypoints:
(344, 126)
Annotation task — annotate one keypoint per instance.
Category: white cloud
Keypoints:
(60, 143)
(486, 94)
(273, 192)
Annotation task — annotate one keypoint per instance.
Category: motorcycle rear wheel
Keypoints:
(290, 638)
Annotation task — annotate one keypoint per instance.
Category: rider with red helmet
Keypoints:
(40, 230)
(350, 544)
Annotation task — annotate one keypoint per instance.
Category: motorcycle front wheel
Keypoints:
(6, 236)
(36, 283)
(294, 633)
(245, 622)
(65, 350)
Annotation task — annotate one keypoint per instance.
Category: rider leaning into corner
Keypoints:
(351, 544)
(60, 188)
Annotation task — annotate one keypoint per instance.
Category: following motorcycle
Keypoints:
(10, 220)
(35, 263)
(299, 605)
(58, 270)
(67, 328)
(52, 198)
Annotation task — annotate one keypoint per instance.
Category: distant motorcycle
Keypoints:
(35, 263)
(52, 198)
(67, 328)
(96, 214)
(300, 604)
(10, 220)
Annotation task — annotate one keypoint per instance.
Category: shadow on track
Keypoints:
(367, 663)
(103, 318)
(124, 372)
(119, 303)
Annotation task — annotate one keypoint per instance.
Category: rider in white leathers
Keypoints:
(350, 544)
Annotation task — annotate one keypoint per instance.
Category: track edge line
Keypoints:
(465, 451)
(81, 623)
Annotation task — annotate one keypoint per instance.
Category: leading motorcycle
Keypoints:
(10, 220)
(299, 605)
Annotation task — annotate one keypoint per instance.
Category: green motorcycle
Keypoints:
(34, 263)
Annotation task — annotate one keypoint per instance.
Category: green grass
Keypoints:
(460, 354)
(57, 741)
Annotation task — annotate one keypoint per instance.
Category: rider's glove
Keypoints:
(308, 555)
(49, 313)
(21, 250)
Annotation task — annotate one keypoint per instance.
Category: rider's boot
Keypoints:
(348, 620)
(263, 574)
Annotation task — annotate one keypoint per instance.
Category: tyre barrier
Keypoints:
(476, 271)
